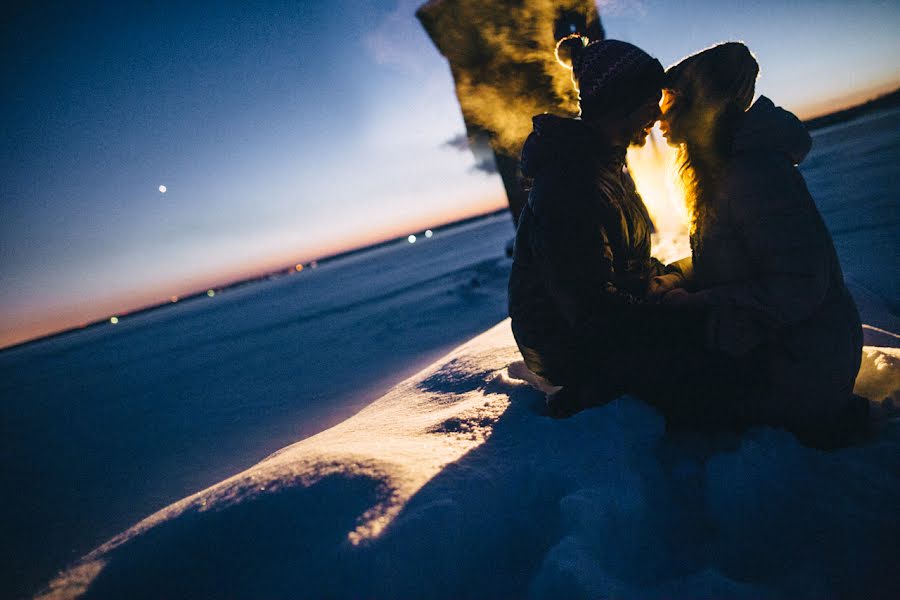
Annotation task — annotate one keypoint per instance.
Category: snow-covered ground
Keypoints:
(105, 426)
(853, 173)
(450, 484)
(453, 485)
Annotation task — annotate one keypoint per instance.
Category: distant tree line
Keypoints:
(889, 100)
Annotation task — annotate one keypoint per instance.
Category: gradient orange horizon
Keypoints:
(58, 317)
(22, 326)
(826, 107)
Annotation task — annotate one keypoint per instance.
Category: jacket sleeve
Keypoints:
(787, 247)
(573, 251)
(683, 267)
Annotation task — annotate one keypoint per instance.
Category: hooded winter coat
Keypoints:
(582, 250)
(771, 277)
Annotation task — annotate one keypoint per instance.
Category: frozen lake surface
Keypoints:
(105, 426)
(853, 172)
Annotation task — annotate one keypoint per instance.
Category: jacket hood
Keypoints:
(770, 128)
(562, 140)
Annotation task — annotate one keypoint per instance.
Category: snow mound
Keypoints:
(453, 485)
(879, 375)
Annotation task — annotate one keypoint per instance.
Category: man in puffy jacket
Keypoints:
(582, 254)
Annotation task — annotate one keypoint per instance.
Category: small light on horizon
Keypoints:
(411, 239)
(174, 298)
(162, 189)
(299, 267)
(114, 320)
(210, 293)
(428, 233)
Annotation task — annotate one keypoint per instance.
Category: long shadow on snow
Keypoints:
(451, 540)
(485, 525)
(284, 544)
(459, 527)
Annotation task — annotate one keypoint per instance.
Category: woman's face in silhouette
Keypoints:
(672, 123)
(686, 120)
(640, 121)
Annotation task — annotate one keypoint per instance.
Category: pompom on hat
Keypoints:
(613, 74)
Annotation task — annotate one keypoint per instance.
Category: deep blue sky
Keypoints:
(287, 130)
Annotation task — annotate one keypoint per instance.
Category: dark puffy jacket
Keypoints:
(772, 276)
(582, 245)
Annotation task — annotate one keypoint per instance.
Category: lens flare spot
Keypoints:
(162, 189)
(428, 233)
(210, 293)
(114, 320)
(411, 239)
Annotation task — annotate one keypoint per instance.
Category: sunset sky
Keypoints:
(284, 131)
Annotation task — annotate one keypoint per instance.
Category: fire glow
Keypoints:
(652, 169)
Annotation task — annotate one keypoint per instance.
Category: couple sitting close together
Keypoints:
(755, 328)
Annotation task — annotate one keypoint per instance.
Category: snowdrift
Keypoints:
(453, 485)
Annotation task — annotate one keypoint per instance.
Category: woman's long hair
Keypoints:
(699, 166)
(714, 88)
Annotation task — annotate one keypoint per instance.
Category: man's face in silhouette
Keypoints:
(639, 122)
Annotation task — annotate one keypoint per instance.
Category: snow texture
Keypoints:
(454, 485)
(107, 425)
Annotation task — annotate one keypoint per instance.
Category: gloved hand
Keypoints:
(661, 284)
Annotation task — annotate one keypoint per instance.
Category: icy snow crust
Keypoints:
(454, 485)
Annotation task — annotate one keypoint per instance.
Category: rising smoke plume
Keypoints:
(501, 54)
